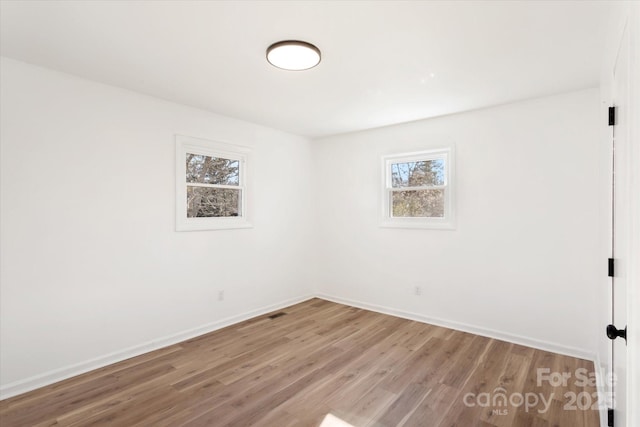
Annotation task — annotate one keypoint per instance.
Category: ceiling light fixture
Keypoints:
(293, 55)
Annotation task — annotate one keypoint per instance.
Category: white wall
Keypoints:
(90, 262)
(524, 261)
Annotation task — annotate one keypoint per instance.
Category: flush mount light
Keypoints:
(293, 55)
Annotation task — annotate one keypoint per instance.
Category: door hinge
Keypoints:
(610, 417)
(612, 116)
(611, 267)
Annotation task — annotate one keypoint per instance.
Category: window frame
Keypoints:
(447, 222)
(190, 145)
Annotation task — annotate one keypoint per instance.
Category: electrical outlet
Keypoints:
(220, 295)
(417, 290)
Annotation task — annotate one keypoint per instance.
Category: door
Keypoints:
(621, 205)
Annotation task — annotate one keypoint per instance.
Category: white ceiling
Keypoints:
(384, 62)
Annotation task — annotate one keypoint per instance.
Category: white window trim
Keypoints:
(187, 144)
(445, 223)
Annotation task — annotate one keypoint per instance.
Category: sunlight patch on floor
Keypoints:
(333, 421)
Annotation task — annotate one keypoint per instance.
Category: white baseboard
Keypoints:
(485, 332)
(50, 377)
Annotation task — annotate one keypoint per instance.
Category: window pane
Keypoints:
(212, 202)
(413, 174)
(212, 170)
(418, 203)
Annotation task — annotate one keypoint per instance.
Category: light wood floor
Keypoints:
(365, 368)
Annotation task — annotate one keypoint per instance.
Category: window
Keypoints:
(418, 190)
(210, 185)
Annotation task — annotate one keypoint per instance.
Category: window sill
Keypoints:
(210, 224)
(417, 224)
